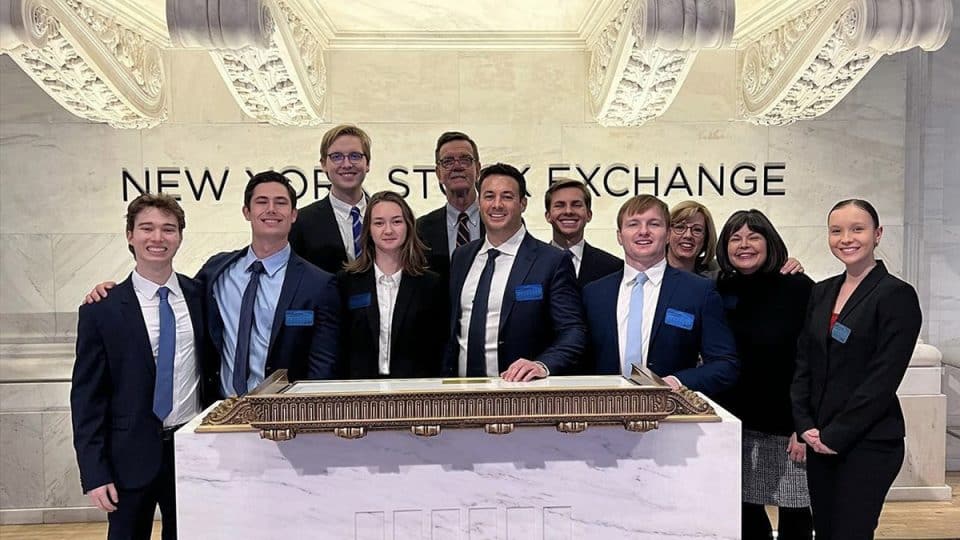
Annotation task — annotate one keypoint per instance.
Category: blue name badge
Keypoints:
(358, 301)
(680, 319)
(299, 317)
(840, 332)
(529, 293)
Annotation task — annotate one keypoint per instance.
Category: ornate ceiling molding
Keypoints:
(94, 66)
(269, 55)
(804, 67)
(642, 56)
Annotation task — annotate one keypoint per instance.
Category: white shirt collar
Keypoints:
(576, 249)
(510, 247)
(149, 289)
(343, 208)
(377, 273)
(654, 273)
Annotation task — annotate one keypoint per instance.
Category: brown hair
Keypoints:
(639, 205)
(336, 132)
(450, 136)
(563, 183)
(685, 210)
(413, 262)
(162, 202)
(861, 204)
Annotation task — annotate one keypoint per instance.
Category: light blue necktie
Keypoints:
(357, 226)
(634, 349)
(163, 385)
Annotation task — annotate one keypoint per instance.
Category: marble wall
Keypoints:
(61, 187)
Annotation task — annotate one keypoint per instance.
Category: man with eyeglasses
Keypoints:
(457, 222)
(327, 232)
(568, 211)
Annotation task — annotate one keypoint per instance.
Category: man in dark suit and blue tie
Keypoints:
(267, 308)
(654, 315)
(457, 222)
(568, 210)
(327, 232)
(517, 310)
(136, 378)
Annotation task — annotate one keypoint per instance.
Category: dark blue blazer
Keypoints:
(549, 329)
(673, 350)
(307, 352)
(115, 433)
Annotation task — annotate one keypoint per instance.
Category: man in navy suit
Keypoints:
(567, 206)
(457, 222)
(654, 315)
(267, 308)
(327, 232)
(517, 309)
(136, 378)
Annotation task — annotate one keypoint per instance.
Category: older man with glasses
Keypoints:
(327, 233)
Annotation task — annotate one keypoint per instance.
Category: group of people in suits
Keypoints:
(353, 286)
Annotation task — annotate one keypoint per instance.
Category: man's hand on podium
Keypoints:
(105, 497)
(673, 382)
(524, 370)
(99, 292)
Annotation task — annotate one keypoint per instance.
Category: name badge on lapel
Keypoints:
(679, 319)
(358, 301)
(298, 317)
(529, 293)
(840, 333)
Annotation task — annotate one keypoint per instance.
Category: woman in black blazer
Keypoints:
(859, 335)
(394, 310)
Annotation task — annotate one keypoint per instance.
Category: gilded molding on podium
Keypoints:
(642, 56)
(92, 65)
(269, 55)
(281, 415)
(802, 68)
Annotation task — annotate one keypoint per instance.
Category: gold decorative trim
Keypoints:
(280, 414)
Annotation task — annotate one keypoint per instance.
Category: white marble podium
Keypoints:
(679, 481)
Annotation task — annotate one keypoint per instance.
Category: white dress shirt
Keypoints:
(651, 294)
(504, 263)
(576, 251)
(341, 211)
(387, 287)
(473, 224)
(186, 374)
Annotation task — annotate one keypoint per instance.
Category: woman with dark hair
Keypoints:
(765, 310)
(860, 332)
(394, 321)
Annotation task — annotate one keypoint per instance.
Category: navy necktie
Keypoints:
(357, 227)
(463, 230)
(477, 338)
(163, 385)
(241, 360)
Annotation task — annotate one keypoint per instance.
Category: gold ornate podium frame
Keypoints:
(280, 415)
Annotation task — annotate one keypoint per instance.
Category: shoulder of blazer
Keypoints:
(309, 269)
(433, 217)
(218, 262)
(598, 287)
(687, 280)
(122, 293)
(598, 253)
(314, 209)
(188, 285)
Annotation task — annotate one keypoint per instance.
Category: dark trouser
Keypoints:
(133, 518)
(792, 523)
(847, 490)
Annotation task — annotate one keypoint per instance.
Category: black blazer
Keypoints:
(115, 433)
(848, 390)
(597, 263)
(432, 230)
(418, 331)
(544, 324)
(305, 351)
(315, 236)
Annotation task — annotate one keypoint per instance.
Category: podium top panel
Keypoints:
(463, 385)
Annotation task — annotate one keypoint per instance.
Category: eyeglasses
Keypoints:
(449, 162)
(354, 157)
(695, 230)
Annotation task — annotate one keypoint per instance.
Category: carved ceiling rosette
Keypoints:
(642, 56)
(802, 68)
(266, 52)
(92, 65)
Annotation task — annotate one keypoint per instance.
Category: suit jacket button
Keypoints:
(268, 367)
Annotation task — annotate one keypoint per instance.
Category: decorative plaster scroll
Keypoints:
(804, 67)
(640, 59)
(93, 66)
(269, 56)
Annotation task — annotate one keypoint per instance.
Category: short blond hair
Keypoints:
(639, 205)
(682, 211)
(336, 132)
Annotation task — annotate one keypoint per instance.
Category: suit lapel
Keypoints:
(328, 222)
(215, 323)
(291, 282)
(526, 255)
(667, 288)
(194, 306)
(863, 290)
(438, 231)
(611, 362)
(824, 312)
(368, 282)
(132, 315)
(406, 296)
